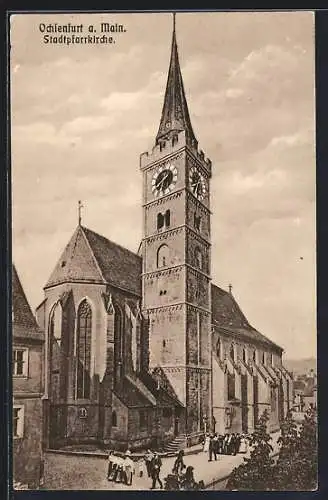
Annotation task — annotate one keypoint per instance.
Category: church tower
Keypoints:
(176, 251)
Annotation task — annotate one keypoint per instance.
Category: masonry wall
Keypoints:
(27, 450)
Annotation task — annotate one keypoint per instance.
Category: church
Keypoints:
(143, 349)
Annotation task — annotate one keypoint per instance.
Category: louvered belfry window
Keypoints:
(84, 326)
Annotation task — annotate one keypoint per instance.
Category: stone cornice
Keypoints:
(176, 230)
(168, 270)
(163, 199)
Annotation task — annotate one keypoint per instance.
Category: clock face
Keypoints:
(164, 179)
(197, 183)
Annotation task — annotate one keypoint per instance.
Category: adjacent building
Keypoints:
(141, 348)
(27, 366)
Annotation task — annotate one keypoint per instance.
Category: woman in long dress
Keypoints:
(243, 444)
(206, 446)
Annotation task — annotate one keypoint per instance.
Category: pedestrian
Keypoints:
(211, 450)
(225, 444)
(110, 464)
(156, 465)
(229, 444)
(237, 443)
(148, 461)
(206, 443)
(128, 468)
(179, 464)
(243, 444)
(119, 471)
(216, 444)
(220, 443)
(188, 480)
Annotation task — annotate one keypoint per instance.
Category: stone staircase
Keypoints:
(178, 443)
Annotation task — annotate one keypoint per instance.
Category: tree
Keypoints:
(285, 472)
(256, 471)
(297, 465)
(307, 464)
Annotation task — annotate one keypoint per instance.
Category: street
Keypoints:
(79, 472)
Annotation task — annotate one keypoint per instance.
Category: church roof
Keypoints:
(227, 315)
(175, 114)
(90, 257)
(23, 320)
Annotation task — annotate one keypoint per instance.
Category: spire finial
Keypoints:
(230, 288)
(173, 22)
(80, 206)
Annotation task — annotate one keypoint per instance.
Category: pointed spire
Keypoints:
(175, 114)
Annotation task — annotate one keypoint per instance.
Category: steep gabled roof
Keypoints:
(227, 315)
(90, 257)
(23, 320)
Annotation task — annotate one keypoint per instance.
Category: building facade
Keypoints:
(141, 348)
(27, 365)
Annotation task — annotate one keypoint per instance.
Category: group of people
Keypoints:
(182, 477)
(120, 468)
(228, 444)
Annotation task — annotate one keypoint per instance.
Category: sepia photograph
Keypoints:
(163, 178)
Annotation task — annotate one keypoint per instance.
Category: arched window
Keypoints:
(218, 348)
(55, 324)
(232, 351)
(163, 256)
(83, 351)
(198, 258)
(160, 221)
(244, 354)
(254, 356)
(167, 218)
(263, 358)
(114, 419)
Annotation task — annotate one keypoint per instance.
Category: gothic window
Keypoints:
(83, 351)
(167, 217)
(163, 256)
(197, 221)
(160, 221)
(114, 419)
(231, 386)
(254, 356)
(118, 343)
(218, 348)
(263, 358)
(56, 324)
(198, 258)
(244, 354)
(271, 359)
(232, 352)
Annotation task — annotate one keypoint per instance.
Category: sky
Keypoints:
(81, 115)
